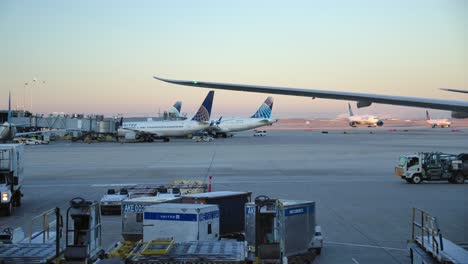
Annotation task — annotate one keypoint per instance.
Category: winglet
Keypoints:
(454, 90)
(265, 109)
(9, 108)
(204, 112)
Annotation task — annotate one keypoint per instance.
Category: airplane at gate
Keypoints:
(260, 118)
(150, 130)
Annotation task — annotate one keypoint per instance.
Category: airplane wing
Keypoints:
(363, 99)
(454, 90)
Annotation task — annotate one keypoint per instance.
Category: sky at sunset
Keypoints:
(100, 56)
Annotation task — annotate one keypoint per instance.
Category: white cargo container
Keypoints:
(183, 222)
(132, 214)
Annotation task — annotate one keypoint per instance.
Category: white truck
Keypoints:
(11, 171)
(432, 166)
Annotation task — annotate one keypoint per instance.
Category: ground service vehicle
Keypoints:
(81, 230)
(432, 166)
(259, 133)
(427, 245)
(11, 170)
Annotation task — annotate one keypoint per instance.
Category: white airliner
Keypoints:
(363, 120)
(262, 117)
(437, 122)
(458, 108)
(150, 130)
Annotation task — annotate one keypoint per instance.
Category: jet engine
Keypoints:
(353, 124)
(380, 123)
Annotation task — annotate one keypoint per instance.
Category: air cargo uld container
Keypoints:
(281, 229)
(132, 214)
(182, 222)
(231, 208)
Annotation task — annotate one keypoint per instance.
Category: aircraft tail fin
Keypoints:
(350, 110)
(428, 117)
(9, 108)
(176, 108)
(265, 109)
(204, 112)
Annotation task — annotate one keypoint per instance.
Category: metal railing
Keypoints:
(425, 226)
(48, 223)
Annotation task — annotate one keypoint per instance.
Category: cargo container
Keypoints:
(182, 222)
(231, 207)
(132, 214)
(282, 230)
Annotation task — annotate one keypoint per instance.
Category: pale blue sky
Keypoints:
(100, 56)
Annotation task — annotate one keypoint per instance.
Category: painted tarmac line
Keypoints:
(367, 246)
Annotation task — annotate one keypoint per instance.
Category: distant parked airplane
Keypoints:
(261, 118)
(364, 120)
(150, 130)
(437, 122)
(175, 109)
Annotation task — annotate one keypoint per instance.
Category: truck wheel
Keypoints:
(459, 179)
(8, 209)
(18, 199)
(416, 179)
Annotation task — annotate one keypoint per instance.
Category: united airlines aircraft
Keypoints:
(262, 117)
(151, 130)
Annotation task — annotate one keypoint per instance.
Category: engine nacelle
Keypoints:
(380, 123)
(353, 124)
(130, 135)
(459, 115)
(361, 104)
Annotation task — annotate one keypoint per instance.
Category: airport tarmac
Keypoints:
(363, 209)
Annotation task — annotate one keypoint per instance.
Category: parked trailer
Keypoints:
(432, 166)
(11, 173)
(427, 245)
(231, 207)
(132, 214)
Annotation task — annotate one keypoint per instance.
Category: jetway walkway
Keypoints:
(96, 124)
